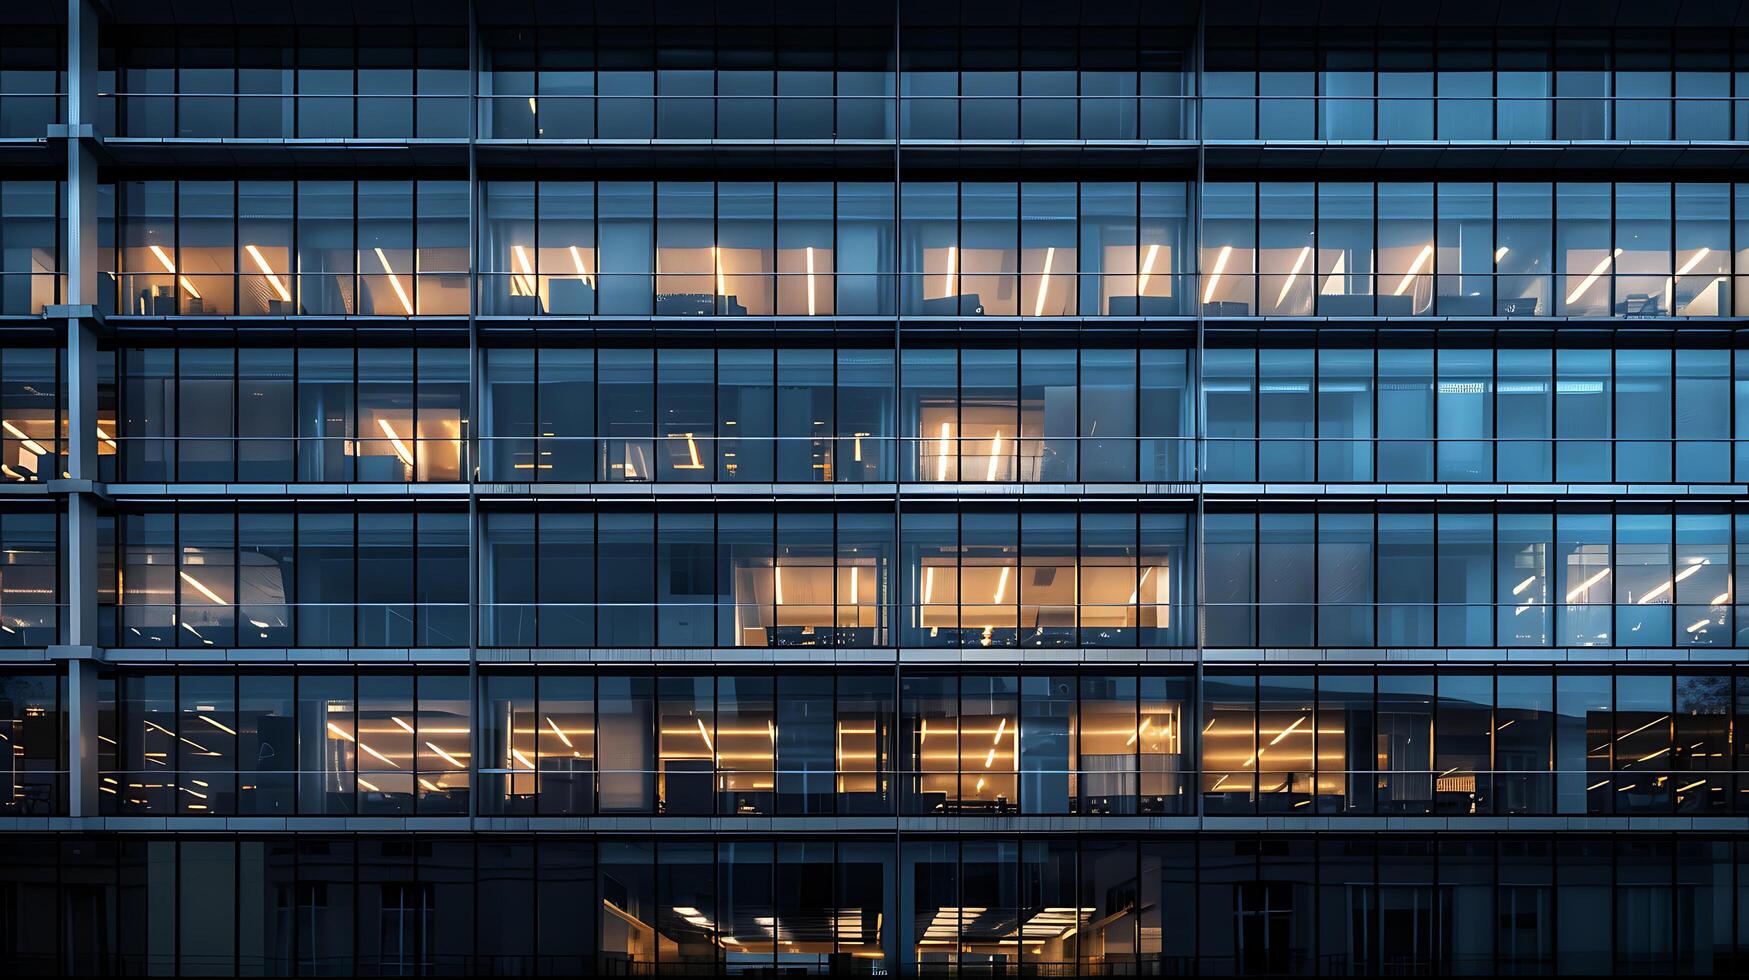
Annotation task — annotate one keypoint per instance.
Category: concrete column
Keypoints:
(82, 307)
(82, 311)
(82, 747)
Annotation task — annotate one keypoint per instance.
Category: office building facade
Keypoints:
(955, 488)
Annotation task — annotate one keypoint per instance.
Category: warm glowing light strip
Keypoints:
(1414, 269)
(952, 254)
(1001, 586)
(528, 282)
(379, 755)
(810, 280)
(1685, 573)
(1579, 590)
(694, 462)
(1642, 728)
(1220, 266)
(1044, 283)
(395, 281)
(1336, 282)
(267, 271)
(170, 267)
(401, 449)
(995, 456)
(1585, 283)
(228, 730)
(1500, 253)
(445, 756)
(1688, 266)
(704, 734)
(1299, 263)
(1147, 271)
(200, 587)
(1289, 730)
(941, 454)
(1143, 580)
(559, 732)
(29, 443)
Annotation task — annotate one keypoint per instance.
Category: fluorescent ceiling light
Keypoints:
(267, 271)
(1299, 263)
(395, 281)
(170, 267)
(1044, 283)
(1414, 269)
(1147, 272)
(1220, 266)
(1585, 283)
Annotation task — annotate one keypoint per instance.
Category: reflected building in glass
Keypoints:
(946, 489)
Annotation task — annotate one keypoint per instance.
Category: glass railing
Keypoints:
(30, 624)
(788, 294)
(842, 624)
(677, 457)
(849, 623)
(1483, 294)
(686, 117)
(1462, 119)
(1085, 118)
(1457, 791)
(917, 117)
(558, 624)
(694, 787)
(1527, 622)
(392, 455)
(688, 457)
(268, 624)
(165, 294)
(648, 116)
(848, 294)
(280, 116)
(1505, 460)
(34, 792)
(678, 787)
(226, 792)
(29, 114)
(29, 293)
(824, 624)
